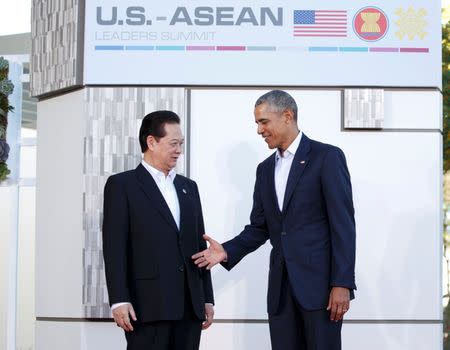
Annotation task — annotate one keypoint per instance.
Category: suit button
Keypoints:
(181, 268)
(283, 233)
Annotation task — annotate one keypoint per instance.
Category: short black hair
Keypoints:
(279, 100)
(153, 125)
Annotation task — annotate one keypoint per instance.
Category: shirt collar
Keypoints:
(158, 173)
(292, 147)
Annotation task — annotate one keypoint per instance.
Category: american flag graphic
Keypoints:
(320, 23)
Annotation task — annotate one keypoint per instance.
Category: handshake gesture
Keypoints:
(211, 256)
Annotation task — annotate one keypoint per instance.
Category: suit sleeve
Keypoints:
(206, 275)
(337, 192)
(115, 240)
(254, 235)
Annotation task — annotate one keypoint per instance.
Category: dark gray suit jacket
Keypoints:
(147, 258)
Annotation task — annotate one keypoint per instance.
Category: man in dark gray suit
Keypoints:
(152, 224)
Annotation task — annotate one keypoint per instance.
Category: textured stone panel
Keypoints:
(363, 108)
(57, 28)
(113, 117)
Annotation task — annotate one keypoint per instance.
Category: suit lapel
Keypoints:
(271, 177)
(299, 164)
(183, 200)
(153, 193)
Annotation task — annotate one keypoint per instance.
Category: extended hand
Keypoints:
(211, 256)
(121, 316)
(339, 303)
(209, 314)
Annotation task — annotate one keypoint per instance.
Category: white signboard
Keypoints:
(291, 43)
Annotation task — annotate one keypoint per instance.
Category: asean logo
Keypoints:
(370, 24)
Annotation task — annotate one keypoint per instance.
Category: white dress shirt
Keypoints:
(168, 191)
(283, 164)
(167, 188)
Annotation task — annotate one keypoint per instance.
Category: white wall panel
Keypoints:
(106, 335)
(59, 203)
(396, 186)
(412, 109)
(392, 336)
(9, 196)
(25, 322)
(58, 335)
(240, 336)
(222, 336)
(102, 335)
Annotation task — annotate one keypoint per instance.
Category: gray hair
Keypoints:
(279, 100)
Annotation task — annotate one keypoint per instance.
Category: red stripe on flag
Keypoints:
(324, 35)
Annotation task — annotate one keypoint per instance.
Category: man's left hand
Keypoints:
(209, 313)
(210, 256)
(339, 303)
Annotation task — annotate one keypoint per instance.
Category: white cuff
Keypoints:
(116, 305)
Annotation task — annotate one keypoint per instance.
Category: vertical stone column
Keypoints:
(113, 117)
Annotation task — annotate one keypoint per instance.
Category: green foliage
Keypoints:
(4, 171)
(6, 88)
(4, 65)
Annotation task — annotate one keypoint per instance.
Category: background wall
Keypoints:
(396, 189)
(82, 334)
(396, 183)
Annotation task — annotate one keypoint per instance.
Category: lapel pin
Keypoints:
(302, 162)
(184, 191)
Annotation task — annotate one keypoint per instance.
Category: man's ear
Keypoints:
(150, 142)
(289, 115)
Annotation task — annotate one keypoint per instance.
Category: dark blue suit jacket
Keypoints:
(314, 234)
(147, 258)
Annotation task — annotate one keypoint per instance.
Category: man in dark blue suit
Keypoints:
(303, 203)
(152, 224)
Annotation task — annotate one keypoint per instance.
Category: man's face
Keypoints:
(166, 151)
(272, 126)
